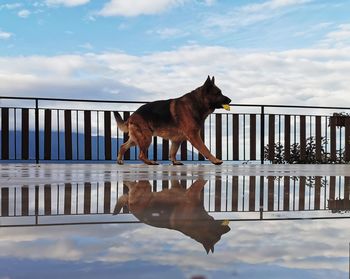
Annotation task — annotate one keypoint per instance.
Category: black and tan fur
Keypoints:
(176, 208)
(176, 119)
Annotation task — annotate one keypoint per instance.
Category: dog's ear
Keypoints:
(213, 80)
(208, 82)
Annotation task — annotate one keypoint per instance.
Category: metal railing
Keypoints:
(234, 197)
(53, 129)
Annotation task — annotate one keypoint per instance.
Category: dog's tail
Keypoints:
(120, 122)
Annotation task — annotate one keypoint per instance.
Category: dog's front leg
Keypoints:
(196, 140)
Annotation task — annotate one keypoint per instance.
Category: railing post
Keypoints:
(262, 133)
(37, 131)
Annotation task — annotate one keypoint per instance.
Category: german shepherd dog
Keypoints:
(175, 208)
(177, 119)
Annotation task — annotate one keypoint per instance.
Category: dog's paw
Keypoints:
(177, 163)
(120, 162)
(151, 163)
(217, 162)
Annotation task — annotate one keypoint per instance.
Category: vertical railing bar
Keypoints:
(192, 151)
(127, 154)
(107, 135)
(98, 189)
(295, 129)
(262, 133)
(310, 126)
(340, 142)
(58, 199)
(25, 134)
(325, 193)
(68, 144)
(117, 140)
(58, 134)
(226, 193)
(47, 133)
(294, 195)
(36, 204)
(333, 145)
(272, 138)
(243, 193)
(252, 137)
(261, 198)
(244, 137)
(15, 202)
(209, 191)
(318, 142)
(87, 135)
(15, 130)
(5, 134)
(310, 197)
(98, 136)
(116, 192)
(278, 191)
(77, 117)
(279, 128)
(76, 198)
(347, 140)
(36, 130)
(302, 137)
(218, 136)
(227, 137)
(326, 130)
(287, 138)
(210, 133)
(155, 144)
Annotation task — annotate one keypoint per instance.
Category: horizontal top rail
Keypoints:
(144, 102)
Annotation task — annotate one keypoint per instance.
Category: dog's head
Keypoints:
(213, 95)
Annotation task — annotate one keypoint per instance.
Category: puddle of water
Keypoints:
(185, 227)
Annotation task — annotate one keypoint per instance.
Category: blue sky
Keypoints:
(62, 26)
(266, 51)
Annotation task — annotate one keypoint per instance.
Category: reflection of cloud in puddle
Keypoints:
(290, 244)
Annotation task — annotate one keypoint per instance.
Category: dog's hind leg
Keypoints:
(142, 136)
(123, 148)
(143, 152)
(173, 150)
(122, 201)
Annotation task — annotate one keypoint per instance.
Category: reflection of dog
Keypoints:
(175, 119)
(176, 208)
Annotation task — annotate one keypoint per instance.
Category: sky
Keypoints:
(319, 249)
(260, 52)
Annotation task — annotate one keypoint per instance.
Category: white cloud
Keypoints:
(314, 28)
(66, 3)
(23, 13)
(207, 2)
(167, 33)
(272, 5)
(337, 38)
(137, 7)
(87, 46)
(316, 76)
(252, 13)
(5, 35)
(10, 6)
(318, 245)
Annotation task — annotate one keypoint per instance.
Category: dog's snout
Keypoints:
(228, 100)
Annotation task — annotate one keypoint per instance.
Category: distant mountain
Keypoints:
(78, 147)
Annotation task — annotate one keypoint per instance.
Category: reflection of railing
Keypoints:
(225, 195)
(41, 129)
